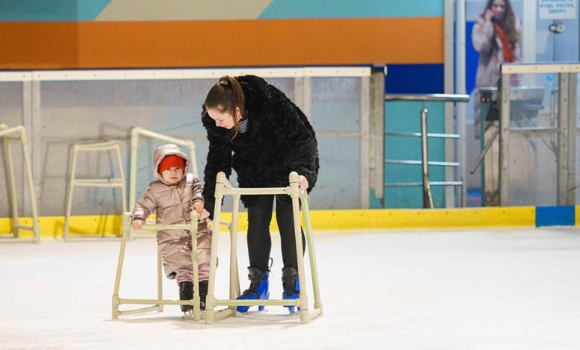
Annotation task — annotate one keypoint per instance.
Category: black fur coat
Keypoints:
(279, 139)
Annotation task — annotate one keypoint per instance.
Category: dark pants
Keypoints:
(259, 240)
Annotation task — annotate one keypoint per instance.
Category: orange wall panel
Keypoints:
(221, 43)
(38, 45)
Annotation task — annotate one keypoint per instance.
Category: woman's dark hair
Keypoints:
(508, 22)
(225, 96)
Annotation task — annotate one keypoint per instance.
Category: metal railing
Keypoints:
(424, 162)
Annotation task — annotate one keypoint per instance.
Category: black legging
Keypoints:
(259, 240)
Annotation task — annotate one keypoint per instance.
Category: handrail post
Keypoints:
(427, 197)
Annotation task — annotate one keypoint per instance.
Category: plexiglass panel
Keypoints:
(335, 104)
(11, 103)
(79, 112)
(533, 144)
(534, 101)
(93, 111)
(335, 108)
(532, 169)
(338, 185)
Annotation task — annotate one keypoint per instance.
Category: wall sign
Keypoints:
(558, 9)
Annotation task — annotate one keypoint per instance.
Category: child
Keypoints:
(173, 196)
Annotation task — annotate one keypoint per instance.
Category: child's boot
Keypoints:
(186, 293)
(259, 285)
(291, 285)
(202, 294)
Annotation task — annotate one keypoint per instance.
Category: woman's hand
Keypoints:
(302, 183)
(488, 15)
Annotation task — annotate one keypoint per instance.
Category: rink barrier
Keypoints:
(352, 220)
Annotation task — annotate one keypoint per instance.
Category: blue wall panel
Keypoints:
(53, 11)
(471, 59)
(405, 117)
(353, 9)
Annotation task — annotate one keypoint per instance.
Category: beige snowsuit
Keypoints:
(173, 205)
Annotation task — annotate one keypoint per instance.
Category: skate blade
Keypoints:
(187, 314)
(251, 312)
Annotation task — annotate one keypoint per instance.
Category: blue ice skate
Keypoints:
(259, 285)
(291, 286)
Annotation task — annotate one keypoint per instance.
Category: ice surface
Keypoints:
(486, 289)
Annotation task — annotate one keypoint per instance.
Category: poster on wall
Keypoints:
(558, 9)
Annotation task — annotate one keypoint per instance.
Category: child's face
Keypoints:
(172, 175)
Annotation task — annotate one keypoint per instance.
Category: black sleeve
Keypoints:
(219, 158)
(294, 129)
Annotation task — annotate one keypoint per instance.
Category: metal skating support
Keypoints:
(223, 188)
(14, 236)
(111, 182)
(159, 302)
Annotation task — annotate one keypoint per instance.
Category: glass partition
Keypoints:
(533, 140)
(108, 110)
(537, 151)
(335, 114)
(70, 107)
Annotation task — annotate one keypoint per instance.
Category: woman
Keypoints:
(255, 129)
(496, 36)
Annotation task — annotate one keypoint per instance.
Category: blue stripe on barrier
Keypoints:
(555, 216)
(414, 79)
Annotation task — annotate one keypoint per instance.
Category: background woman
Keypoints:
(496, 36)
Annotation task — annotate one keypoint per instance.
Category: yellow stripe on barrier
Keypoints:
(52, 226)
(324, 220)
(423, 219)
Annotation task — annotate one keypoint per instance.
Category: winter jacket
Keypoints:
(173, 205)
(491, 57)
(279, 139)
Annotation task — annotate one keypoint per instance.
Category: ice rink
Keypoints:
(485, 289)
